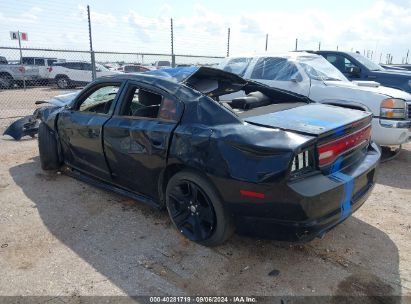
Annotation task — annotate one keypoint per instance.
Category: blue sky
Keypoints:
(380, 26)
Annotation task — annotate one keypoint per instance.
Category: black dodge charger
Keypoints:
(269, 163)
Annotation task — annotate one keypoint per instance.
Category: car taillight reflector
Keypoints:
(329, 151)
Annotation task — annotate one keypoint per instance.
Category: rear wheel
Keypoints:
(49, 158)
(63, 82)
(196, 209)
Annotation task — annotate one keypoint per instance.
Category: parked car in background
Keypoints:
(162, 64)
(112, 66)
(44, 65)
(357, 67)
(312, 76)
(76, 73)
(270, 164)
(133, 68)
(16, 73)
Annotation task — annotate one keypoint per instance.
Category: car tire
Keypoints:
(48, 150)
(190, 220)
(63, 82)
(6, 81)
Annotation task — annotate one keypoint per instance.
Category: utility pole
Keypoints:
(337, 47)
(173, 57)
(319, 46)
(296, 44)
(266, 42)
(228, 42)
(93, 60)
(406, 58)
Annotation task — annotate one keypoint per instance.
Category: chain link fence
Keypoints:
(44, 73)
(69, 44)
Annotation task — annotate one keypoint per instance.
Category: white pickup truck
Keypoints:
(76, 73)
(11, 74)
(313, 76)
(44, 66)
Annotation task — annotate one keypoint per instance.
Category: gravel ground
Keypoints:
(61, 237)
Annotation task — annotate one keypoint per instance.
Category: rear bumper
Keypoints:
(326, 201)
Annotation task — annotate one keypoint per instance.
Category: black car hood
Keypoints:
(61, 100)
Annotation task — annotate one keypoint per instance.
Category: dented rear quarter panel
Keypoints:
(232, 153)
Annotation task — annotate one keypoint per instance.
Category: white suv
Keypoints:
(76, 73)
(313, 76)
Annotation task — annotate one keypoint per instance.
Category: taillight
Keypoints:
(50, 69)
(303, 163)
(330, 151)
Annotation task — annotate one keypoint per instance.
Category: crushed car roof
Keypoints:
(205, 80)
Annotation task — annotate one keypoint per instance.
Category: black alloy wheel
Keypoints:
(191, 211)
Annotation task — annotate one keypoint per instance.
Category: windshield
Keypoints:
(367, 62)
(319, 68)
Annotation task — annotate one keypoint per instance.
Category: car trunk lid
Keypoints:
(339, 131)
(313, 119)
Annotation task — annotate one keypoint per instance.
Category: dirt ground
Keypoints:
(62, 237)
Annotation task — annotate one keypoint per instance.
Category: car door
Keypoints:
(80, 128)
(279, 73)
(137, 137)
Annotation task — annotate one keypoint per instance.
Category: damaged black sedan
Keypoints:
(270, 163)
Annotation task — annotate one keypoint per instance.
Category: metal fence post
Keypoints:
(93, 61)
(21, 62)
(173, 57)
(228, 42)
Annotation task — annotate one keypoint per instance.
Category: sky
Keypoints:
(200, 27)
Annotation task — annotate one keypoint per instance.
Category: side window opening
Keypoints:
(100, 100)
(143, 103)
(348, 64)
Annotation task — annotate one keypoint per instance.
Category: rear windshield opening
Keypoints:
(257, 103)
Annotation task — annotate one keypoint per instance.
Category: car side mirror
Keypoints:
(354, 71)
(297, 78)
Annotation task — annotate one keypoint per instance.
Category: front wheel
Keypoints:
(48, 150)
(196, 210)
